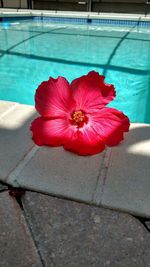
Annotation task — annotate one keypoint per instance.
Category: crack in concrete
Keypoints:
(143, 222)
(18, 200)
(33, 237)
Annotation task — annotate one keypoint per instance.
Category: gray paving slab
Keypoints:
(55, 171)
(127, 186)
(16, 245)
(15, 138)
(72, 234)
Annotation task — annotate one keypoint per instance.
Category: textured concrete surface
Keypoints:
(147, 223)
(71, 234)
(62, 173)
(6, 106)
(15, 139)
(127, 185)
(2, 187)
(16, 245)
(117, 178)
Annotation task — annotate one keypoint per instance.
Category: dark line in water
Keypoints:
(29, 38)
(76, 63)
(78, 34)
(115, 50)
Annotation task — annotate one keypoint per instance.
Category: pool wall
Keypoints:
(76, 17)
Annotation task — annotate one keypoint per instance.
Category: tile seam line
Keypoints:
(106, 165)
(103, 170)
(13, 175)
(99, 176)
(8, 110)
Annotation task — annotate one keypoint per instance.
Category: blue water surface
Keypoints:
(32, 51)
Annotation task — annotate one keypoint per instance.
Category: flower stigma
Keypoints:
(79, 118)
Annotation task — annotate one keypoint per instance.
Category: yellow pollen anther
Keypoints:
(78, 116)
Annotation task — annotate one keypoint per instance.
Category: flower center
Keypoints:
(79, 118)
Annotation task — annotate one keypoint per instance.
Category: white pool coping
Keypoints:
(71, 14)
(117, 178)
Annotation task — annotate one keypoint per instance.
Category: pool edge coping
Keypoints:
(68, 14)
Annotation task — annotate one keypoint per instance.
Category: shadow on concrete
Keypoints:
(15, 140)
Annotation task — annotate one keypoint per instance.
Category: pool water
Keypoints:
(32, 51)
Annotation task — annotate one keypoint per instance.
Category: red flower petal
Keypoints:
(105, 128)
(53, 98)
(51, 132)
(59, 132)
(91, 93)
(85, 142)
(110, 124)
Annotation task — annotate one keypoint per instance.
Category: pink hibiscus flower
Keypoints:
(75, 115)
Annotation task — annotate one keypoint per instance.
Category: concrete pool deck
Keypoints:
(118, 178)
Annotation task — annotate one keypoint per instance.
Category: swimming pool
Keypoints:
(31, 51)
